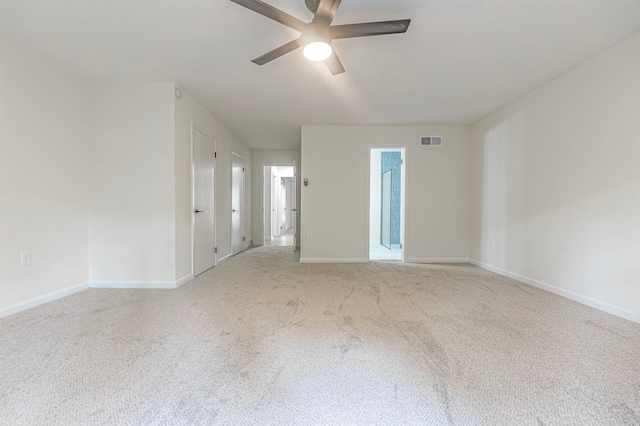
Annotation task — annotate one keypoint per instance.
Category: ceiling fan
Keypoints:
(318, 35)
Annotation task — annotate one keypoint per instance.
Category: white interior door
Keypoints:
(237, 204)
(294, 207)
(274, 205)
(283, 207)
(267, 203)
(204, 229)
(288, 203)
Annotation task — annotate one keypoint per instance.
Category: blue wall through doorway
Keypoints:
(393, 160)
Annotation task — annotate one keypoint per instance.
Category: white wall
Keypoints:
(188, 109)
(273, 156)
(285, 171)
(375, 194)
(43, 187)
(131, 178)
(556, 184)
(95, 181)
(335, 204)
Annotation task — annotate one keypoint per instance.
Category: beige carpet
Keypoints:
(262, 339)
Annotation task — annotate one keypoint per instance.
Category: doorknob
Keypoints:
(233, 210)
(196, 211)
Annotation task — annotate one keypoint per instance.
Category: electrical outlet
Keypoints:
(25, 258)
(309, 236)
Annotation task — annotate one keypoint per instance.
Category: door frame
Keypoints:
(262, 166)
(404, 191)
(242, 204)
(196, 127)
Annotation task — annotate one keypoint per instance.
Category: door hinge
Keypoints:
(242, 238)
(243, 169)
(215, 155)
(215, 249)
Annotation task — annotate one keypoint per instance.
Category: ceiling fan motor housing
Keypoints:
(312, 5)
(316, 31)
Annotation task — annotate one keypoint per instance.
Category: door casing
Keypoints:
(294, 202)
(404, 195)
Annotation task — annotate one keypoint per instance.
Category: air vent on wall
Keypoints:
(431, 141)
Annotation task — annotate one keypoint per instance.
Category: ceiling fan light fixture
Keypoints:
(317, 51)
(317, 36)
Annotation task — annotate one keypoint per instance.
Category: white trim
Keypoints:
(330, 260)
(576, 297)
(134, 284)
(184, 280)
(40, 300)
(439, 260)
(227, 257)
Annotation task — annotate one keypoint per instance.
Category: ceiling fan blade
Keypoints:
(276, 53)
(272, 13)
(334, 64)
(370, 29)
(326, 11)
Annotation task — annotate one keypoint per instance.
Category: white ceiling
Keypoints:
(459, 60)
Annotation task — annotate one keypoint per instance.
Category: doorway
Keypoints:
(203, 227)
(237, 204)
(279, 205)
(386, 203)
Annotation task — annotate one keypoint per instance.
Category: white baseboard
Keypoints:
(576, 297)
(134, 284)
(227, 257)
(184, 280)
(46, 298)
(329, 260)
(438, 260)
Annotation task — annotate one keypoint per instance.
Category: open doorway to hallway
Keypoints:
(386, 208)
(279, 206)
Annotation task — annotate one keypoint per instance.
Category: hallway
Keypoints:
(284, 240)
